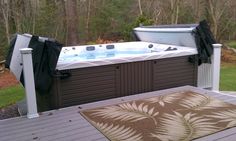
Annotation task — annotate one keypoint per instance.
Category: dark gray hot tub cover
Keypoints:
(45, 55)
(204, 40)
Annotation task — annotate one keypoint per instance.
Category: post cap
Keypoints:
(217, 45)
(26, 50)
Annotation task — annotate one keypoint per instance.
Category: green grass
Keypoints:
(228, 77)
(11, 95)
(232, 44)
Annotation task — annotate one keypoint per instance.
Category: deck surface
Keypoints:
(67, 124)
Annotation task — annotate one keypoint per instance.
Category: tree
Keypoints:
(175, 5)
(5, 10)
(71, 22)
(215, 11)
(140, 7)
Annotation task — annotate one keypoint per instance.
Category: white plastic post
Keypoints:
(26, 54)
(216, 67)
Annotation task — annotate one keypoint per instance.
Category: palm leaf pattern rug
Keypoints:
(178, 116)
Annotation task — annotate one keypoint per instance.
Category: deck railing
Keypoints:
(26, 54)
(209, 74)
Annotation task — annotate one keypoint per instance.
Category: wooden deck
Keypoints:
(67, 124)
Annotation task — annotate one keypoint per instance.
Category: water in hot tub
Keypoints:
(100, 55)
(86, 53)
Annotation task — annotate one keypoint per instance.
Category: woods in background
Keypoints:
(75, 22)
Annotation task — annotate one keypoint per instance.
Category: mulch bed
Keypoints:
(228, 56)
(9, 112)
(7, 79)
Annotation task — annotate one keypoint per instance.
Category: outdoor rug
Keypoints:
(178, 116)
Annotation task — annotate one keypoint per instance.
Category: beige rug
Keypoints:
(177, 116)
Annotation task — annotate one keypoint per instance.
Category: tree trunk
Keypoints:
(197, 10)
(34, 5)
(5, 12)
(140, 7)
(177, 11)
(174, 6)
(172, 9)
(88, 19)
(71, 22)
(212, 17)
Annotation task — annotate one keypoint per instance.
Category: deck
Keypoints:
(67, 124)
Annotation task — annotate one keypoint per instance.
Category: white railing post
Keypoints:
(26, 54)
(216, 66)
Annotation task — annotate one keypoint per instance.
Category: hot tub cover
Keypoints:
(44, 56)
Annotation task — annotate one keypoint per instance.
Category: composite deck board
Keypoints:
(67, 124)
(41, 133)
(42, 127)
(220, 136)
(101, 139)
(43, 124)
(76, 135)
(84, 132)
(44, 117)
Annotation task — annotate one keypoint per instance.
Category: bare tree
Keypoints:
(34, 5)
(197, 10)
(175, 6)
(5, 10)
(140, 7)
(216, 10)
(71, 22)
(88, 18)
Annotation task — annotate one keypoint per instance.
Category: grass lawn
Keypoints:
(11, 95)
(232, 44)
(228, 77)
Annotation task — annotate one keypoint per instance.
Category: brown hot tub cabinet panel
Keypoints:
(103, 82)
(88, 85)
(175, 72)
(135, 77)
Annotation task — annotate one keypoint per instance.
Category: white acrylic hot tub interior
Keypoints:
(112, 53)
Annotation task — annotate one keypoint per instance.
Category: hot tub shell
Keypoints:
(115, 79)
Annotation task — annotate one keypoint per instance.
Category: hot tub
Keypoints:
(96, 72)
